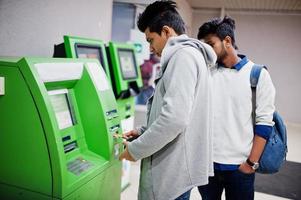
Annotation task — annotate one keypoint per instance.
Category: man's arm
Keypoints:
(265, 107)
(125, 154)
(257, 149)
(180, 80)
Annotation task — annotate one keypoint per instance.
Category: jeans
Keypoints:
(237, 185)
(184, 196)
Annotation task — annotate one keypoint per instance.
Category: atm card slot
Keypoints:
(66, 138)
(70, 146)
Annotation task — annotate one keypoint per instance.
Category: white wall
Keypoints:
(32, 27)
(274, 40)
(123, 21)
(185, 11)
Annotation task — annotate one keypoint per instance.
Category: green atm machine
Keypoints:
(119, 62)
(125, 75)
(58, 118)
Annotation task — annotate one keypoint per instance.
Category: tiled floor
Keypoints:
(294, 146)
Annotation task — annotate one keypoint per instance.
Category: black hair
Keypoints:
(159, 14)
(220, 27)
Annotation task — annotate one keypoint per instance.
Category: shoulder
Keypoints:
(189, 54)
(264, 74)
(185, 62)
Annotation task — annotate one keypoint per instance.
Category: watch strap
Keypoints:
(249, 162)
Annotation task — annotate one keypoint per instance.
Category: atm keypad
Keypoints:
(78, 166)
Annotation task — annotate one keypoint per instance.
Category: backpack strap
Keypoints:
(254, 76)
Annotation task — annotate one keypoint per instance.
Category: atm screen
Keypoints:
(89, 51)
(127, 63)
(62, 108)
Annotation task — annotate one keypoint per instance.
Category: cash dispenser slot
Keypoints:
(70, 146)
(114, 129)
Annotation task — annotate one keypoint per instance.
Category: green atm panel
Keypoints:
(78, 47)
(58, 118)
(126, 81)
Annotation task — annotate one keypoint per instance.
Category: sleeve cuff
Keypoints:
(263, 131)
(141, 130)
(132, 152)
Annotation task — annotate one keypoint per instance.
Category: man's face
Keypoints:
(156, 42)
(218, 46)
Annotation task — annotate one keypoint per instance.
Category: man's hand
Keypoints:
(245, 168)
(125, 154)
(131, 135)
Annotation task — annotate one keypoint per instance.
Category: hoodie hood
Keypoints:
(175, 43)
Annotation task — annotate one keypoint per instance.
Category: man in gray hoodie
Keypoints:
(175, 146)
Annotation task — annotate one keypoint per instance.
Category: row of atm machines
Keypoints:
(58, 117)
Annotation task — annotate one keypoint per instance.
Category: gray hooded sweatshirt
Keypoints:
(175, 146)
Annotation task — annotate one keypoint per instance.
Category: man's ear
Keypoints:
(168, 31)
(228, 41)
(165, 30)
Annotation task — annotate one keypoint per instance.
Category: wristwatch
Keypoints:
(254, 165)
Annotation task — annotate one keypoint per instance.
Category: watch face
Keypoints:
(255, 166)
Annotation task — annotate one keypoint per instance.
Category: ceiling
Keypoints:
(293, 6)
(263, 5)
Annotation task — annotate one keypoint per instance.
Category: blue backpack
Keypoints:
(274, 153)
